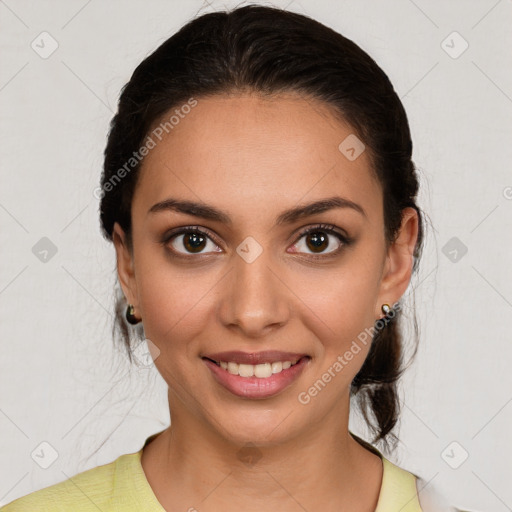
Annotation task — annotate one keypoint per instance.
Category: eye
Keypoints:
(319, 238)
(190, 240)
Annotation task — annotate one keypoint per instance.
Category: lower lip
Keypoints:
(254, 387)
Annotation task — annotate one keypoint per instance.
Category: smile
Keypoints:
(261, 371)
(258, 381)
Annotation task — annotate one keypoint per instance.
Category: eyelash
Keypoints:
(325, 228)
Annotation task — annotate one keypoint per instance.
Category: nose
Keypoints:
(255, 300)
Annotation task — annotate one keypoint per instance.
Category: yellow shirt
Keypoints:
(121, 485)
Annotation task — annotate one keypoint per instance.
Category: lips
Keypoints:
(254, 387)
(254, 358)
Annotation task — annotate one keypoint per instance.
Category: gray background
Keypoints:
(61, 380)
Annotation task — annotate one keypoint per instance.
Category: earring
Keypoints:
(130, 316)
(386, 309)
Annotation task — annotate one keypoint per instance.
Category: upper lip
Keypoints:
(267, 356)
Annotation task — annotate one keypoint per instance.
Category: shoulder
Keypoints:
(398, 489)
(91, 490)
(409, 492)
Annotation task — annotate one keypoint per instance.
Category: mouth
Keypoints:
(260, 371)
(257, 381)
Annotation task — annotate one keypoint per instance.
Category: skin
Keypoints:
(254, 157)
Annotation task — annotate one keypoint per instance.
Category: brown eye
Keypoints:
(191, 241)
(194, 242)
(321, 240)
(317, 241)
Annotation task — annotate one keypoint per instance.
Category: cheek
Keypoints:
(343, 299)
(174, 301)
(341, 313)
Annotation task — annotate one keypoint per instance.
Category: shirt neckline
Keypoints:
(391, 492)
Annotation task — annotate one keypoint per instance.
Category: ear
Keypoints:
(397, 269)
(125, 266)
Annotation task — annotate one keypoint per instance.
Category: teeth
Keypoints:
(262, 371)
(277, 367)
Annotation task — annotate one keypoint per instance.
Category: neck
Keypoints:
(191, 465)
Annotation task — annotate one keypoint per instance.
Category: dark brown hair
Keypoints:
(268, 50)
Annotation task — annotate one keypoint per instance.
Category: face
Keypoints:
(253, 278)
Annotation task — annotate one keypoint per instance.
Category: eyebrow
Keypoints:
(205, 211)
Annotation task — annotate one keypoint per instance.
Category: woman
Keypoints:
(260, 194)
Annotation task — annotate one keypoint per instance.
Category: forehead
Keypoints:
(247, 151)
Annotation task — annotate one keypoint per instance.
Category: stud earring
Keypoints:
(386, 309)
(130, 315)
